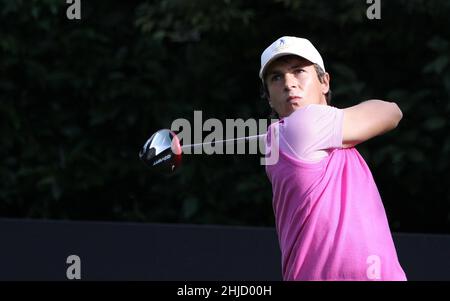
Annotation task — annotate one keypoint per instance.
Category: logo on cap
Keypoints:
(281, 45)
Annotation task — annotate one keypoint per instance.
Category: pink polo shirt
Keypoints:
(330, 219)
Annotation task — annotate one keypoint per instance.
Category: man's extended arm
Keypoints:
(369, 119)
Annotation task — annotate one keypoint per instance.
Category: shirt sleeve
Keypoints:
(311, 132)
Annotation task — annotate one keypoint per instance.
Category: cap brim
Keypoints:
(278, 55)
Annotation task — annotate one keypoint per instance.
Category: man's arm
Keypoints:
(369, 119)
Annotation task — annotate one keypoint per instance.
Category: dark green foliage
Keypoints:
(79, 98)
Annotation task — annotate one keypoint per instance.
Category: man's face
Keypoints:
(292, 83)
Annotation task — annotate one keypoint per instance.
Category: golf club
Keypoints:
(163, 150)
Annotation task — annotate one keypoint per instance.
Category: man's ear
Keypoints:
(325, 83)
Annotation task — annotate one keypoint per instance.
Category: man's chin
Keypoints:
(293, 109)
(298, 106)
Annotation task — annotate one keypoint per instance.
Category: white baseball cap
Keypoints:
(290, 45)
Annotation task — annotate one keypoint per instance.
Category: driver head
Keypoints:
(162, 151)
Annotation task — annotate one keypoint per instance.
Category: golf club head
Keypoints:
(162, 151)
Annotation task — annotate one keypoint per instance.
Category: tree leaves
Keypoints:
(78, 100)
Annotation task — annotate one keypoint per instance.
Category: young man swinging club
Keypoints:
(330, 219)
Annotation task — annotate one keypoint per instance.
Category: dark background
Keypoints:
(78, 99)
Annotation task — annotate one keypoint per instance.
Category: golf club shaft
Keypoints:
(249, 138)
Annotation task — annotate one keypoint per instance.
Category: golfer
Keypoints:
(330, 219)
